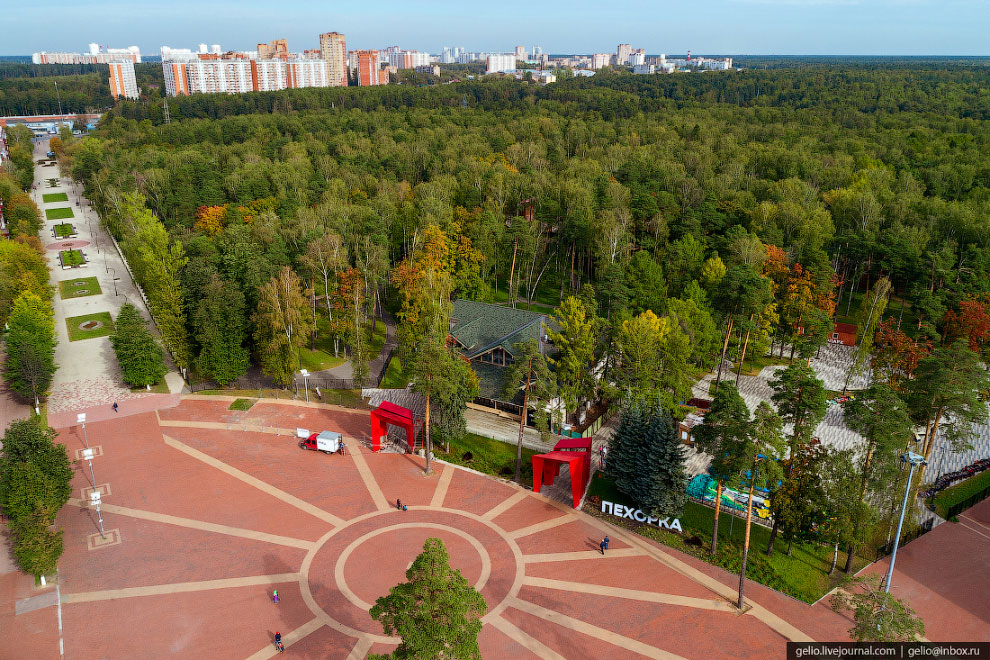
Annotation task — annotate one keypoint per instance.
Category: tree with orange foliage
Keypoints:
(211, 219)
(895, 355)
(971, 322)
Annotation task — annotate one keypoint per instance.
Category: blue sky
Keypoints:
(856, 27)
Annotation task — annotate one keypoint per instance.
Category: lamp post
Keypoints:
(88, 455)
(914, 460)
(115, 278)
(81, 419)
(305, 375)
(94, 498)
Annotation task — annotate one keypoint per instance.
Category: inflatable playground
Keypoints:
(703, 488)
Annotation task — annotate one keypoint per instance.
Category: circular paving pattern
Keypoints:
(91, 325)
(354, 565)
(67, 245)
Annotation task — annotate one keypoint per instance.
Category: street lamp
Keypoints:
(81, 419)
(305, 375)
(914, 460)
(87, 454)
(115, 278)
(94, 498)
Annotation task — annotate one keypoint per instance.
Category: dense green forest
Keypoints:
(651, 189)
(29, 89)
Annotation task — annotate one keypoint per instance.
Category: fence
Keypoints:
(959, 507)
(504, 406)
(920, 530)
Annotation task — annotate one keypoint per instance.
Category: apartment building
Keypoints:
(600, 60)
(273, 50)
(406, 59)
(501, 62)
(96, 55)
(334, 51)
(369, 70)
(122, 80)
(235, 73)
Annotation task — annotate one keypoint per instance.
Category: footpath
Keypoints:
(88, 375)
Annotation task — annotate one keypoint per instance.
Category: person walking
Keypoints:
(115, 406)
(604, 545)
(602, 452)
(275, 596)
(398, 504)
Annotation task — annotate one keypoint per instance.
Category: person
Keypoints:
(404, 508)
(115, 406)
(278, 642)
(604, 545)
(603, 451)
(275, 596)
(398, 504)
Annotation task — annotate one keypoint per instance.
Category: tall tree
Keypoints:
(221, 332)
(801, 400)
(870, 317)
(282, 323)
(325, 256)
(948, 384)
(437, 614)
(742, 295)
(30, 340)
(724, 436)
(140, 357)
(661, 479)
(575, 357)
(880, 416)
(762, 455)
(529, 372)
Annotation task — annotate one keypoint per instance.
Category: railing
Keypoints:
(921, 530)
(504, 406)
(959, 507)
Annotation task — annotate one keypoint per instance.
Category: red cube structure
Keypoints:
(390, 413)
(573, 452)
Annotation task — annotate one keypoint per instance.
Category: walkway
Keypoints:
(87, 373)
(206, 510)
(346, 370)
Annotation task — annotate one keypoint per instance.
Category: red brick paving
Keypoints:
(148, 475)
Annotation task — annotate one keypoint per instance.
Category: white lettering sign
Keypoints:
(624, 511)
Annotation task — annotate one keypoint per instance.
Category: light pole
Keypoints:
(305, 375)
(81, 419)
(914, 460)
(115, 278)
(88, 455)
(94, 498)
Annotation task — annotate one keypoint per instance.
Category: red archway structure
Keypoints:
(389, 413)
(576, 453)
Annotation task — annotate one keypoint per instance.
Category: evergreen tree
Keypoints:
(437, 614)
(221, 331)
(621, 465)
(140, 357)
(529, 372)
(877, 615)
(662, 484)
(30, 341)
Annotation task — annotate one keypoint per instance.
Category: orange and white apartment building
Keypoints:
(122, 80)
(235, 73)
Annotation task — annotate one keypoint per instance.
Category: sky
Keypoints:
(731, 27)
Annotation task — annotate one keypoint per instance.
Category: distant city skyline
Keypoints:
(768, 27)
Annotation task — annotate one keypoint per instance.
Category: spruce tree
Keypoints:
(663, 492)
(624, 450)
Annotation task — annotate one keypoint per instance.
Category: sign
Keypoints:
(636, 514)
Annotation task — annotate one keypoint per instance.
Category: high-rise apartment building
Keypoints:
(407, 59)
(122, 80)
(520, 52)
(599, 60)
(334, 51)
(96, 55)
(235, 72)
(369, 71)
(273, 50)
(637, 57)
(622, 54)
(501, 62)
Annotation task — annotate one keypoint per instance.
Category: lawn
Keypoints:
(50, 198)
(59, 214)
(93, 322)
(960, 492)
(345, 398)
(64, 230)
(486, 455)
(79, 287)
(803, 574)
(72, 258)
(241, 404)
(322, 358)
(161, 387)
(393, 378)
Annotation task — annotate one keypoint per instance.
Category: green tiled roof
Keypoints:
(480, 327)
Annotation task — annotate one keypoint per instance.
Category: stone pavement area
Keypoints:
(206, 510)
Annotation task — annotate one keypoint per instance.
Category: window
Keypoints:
(835, 335)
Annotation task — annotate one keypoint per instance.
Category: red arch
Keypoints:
(389, 413)
(576, 453)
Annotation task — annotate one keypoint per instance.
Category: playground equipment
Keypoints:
(573, 452)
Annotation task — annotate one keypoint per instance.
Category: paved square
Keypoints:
(208, 510)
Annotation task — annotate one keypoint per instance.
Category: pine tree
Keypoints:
(623, 448)
(436, 613)
(663, 482)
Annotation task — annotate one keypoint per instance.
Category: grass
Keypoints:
(322, 358)
(803, 574)
(76, 333)
(64, 230)
(961, 491)
(72, 258)
(488, 456)
(241, 404)
(79, 287)
(161, 387)
(753, 365)
(63, 213)
(345, 398)
(50, 198)
(393, 378)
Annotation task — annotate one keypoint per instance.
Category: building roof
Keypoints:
(479, 327)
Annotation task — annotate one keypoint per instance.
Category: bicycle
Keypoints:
(280, 647)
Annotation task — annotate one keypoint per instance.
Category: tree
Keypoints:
(140, 357)
(877, 615)
(741, 295)
(870, 317)
(529, 372)
(36, 546)
(795, 502)
(325, 256)
(662, 477)
(651, 359)
(221, 332)
(350, 321)
(801, 400)
(762, 454)
(647, 289)
(436, 613)
(30, 340)
(21, 269)
(880, 416)
(948, 384)
(724, 436)
(447, 383)
(896, 356)
(282, 323)
(575, 358)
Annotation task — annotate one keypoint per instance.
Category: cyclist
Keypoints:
(278, 642)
